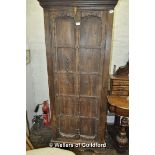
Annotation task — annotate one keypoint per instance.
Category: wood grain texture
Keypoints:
(119, 105)
(50, 65)
(66, 59)
(119, 85)
(78, 59)
(106, 50)
(88, 59)
(65, 32)
(90, 31)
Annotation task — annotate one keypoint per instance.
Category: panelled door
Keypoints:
(78, 43)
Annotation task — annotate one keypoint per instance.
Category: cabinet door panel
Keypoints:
(78, 67)
(88, 107)
(69, 106)
(89, 85)
(87, 127)
(66, 79)
(66, 59)
(91, 31)
(90, 60)
(67, 84)
(90, 71)
(65, 32)
(68, 125)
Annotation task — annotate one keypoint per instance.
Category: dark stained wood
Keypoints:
(69, 106)
(88, 107)
(119, 104)
(89, 85)
(87, 128)
(120, 88)
(78, 58)
(85, 4)
(65, 32)
(67, 84)
(90, 32)
(88, 59)
(119, 85)
(120, 92)
(68, 126)
(49, 46)
(66, 59)
(123, 70)
(118, 81)
(105, 74)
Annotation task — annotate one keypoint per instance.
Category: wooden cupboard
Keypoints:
(78, 44)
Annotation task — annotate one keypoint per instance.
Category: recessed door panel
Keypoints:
(68, 125)
(89, 85)
(91, 31)
(66, 59)
(69, 106)
(88, 107)
(65, 32)
(67, 84)
(87, 127)
(90, 60)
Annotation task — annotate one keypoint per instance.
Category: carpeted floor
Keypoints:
(41, 138)
(109, 150)
(106, 152)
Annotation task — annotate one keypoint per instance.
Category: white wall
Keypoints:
(37, 81)
(120, 38)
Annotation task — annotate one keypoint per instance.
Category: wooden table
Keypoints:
(120, 106)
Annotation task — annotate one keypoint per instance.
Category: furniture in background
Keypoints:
(119, 86)
(78, 45)
(120, 106)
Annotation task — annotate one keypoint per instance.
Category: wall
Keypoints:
(120, 38)
(37, 81)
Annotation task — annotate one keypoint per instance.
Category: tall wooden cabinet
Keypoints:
(78, 44)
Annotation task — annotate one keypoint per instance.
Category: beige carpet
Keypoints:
(49, 151)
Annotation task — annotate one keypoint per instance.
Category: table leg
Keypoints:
(121, 138)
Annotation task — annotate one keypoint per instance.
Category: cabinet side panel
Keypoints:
(50, 63)
(105, 74)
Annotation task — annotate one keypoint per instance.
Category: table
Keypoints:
(120, 106)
